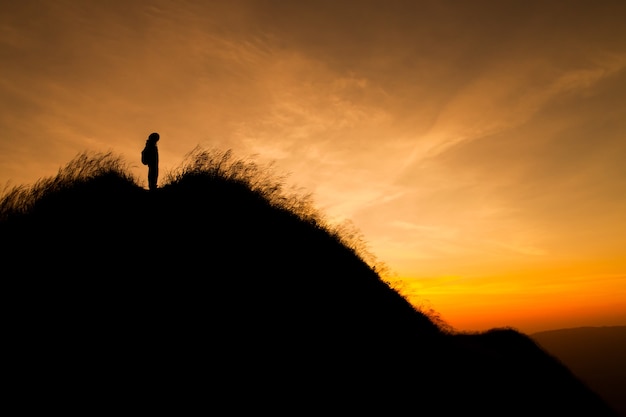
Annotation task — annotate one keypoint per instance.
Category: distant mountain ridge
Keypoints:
(218, 292)
(596, 355)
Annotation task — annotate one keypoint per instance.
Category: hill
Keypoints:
(221, 292)
(596, 355)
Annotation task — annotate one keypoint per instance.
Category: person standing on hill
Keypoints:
(150, 157)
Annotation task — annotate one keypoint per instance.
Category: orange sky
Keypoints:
(480, 147)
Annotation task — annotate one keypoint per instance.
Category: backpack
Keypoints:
(144, 156)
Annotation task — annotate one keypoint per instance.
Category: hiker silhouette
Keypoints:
(150, 157)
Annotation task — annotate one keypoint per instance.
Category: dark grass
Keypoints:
(225, 291)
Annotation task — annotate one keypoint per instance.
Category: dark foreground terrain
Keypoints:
(218, 294)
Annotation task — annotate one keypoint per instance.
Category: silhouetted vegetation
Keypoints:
(222, 290)
(263, 180)
(85, 168)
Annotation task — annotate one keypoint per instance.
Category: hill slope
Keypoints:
(219, 292)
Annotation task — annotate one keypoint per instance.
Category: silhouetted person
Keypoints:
(150, 157)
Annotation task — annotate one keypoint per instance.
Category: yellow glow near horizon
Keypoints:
(531, 301)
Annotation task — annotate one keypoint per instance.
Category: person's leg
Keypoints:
(152, 178)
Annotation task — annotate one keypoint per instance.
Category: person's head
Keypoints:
(154, 137)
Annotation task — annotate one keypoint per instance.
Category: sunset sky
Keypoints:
(478, 146)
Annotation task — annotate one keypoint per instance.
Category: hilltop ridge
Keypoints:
(219, 290)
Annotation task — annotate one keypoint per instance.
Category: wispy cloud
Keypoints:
(504, 98)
